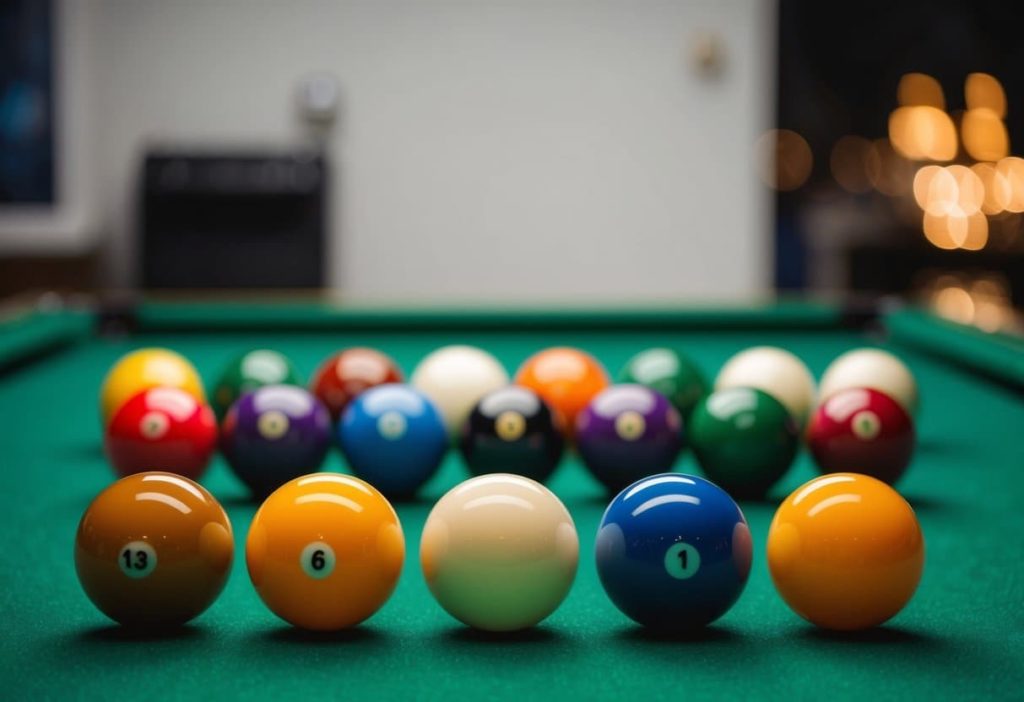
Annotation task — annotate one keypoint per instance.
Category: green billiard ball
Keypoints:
(744, 440)
(669, 372)
(252, 370)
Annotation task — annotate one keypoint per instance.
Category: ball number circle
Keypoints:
(673, 552)
(455, 378)
(845, 551)
(138, 559)
(317, 560)
(499, 552)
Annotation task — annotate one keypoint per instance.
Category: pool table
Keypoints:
(962, 636)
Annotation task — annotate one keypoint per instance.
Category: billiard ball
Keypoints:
(393, 437)
(628, 432)
(871, 368)
(324, 551)
(776, 371)
(153, 549)
(669, 372)
(273, 434)
(511, 430)
(566, 379)
(455, 378)
(161, 429)
(744, 440)
(673, 552)
(845, 551)
(499, 552)
(143, 369)
(862, 430)
(347, 373)
(252, 370)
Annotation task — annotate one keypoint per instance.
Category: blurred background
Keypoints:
(516, 152)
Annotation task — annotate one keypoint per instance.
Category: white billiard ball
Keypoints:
(455, 378)
(775, 371)
(871, 368)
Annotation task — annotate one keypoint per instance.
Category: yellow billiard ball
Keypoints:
(499, 552)
(325, 551)
(845, 551)
(144, 369)
(153, 549)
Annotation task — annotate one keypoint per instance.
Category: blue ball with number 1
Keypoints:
(673, 551)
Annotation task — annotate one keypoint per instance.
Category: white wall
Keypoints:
(516, 150)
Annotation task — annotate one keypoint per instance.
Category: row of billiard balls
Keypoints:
(745, 434)
(499, 552)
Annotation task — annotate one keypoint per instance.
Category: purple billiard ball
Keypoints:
(274, 434)
(628, 432)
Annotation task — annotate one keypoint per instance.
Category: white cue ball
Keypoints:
(871, 368)
(455, 378)
(775, 371)
(499, 552)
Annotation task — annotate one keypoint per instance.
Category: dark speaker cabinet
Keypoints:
(233, 221)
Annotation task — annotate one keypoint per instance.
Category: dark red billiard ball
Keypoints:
(350, 372)
(161, 429)
(861, 430)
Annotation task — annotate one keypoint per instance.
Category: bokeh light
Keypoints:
(888, 172)
(984, 134)
(983, 91)
(997, 188)
(923, 133)
(784, 158)
(916, 89)
(848, 163)
(1012, 169)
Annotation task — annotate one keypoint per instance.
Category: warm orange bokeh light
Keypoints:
(1012, 169)
(848, 163)
(917, 89)
(923, 133)
(983, 91)
(997, 188)
(984, 135)
(784, 159)
(889, 173)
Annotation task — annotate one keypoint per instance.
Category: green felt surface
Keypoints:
(961, 637)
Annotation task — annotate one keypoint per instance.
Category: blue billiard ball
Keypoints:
(673, 551)
(393, 437)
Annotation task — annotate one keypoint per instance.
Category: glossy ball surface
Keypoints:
(864, 431)
(871, 368)
(161, 429)
(324, 551)
(673, 552)
(845, 551)
(626, 433)
(670, 373)
(455, 378)
(274, 434)
(744, 440)
(775, 371)
(394, 438)
(153, 549)
(252, 370)
(567, 379)
(144, 369)
(346, 374)
(511, 430)
(499, 552)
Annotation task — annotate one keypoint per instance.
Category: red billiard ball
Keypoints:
(861, 430)
(348, 373)
(161, 429)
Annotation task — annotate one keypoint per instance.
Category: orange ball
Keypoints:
(845, 551)
(566, 379)
(325, 551)
(154, 549)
